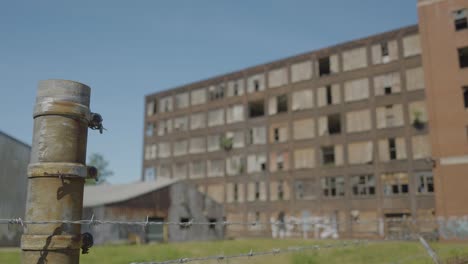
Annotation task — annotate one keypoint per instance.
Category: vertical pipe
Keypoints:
(57, 172)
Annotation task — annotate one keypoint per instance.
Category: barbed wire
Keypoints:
(251, 253)
(93, 221)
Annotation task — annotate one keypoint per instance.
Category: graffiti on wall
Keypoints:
(318, 227)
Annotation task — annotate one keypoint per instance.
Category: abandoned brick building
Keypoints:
(340, 133)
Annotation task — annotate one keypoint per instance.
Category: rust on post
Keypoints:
(57, 172)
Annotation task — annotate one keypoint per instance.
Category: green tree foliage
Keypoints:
(102, 165)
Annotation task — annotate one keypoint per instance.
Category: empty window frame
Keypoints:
(324, 66)
(302, 100)
(151, 107)
(465, 96)
(235, 165)
(334, 124)
(256, 83)
(328, 95)
(363, 185)
(256, 163)
(392, 149)
(328, 155)
(333, 186)
(460, 19)
(279, 161)
(279, 133)
(280, 190)
(387, 84)
(149, 129)
(384, 49)
(256, 108)
(216, 92)
(425, 182)
(282, 103)
(463, 57)
(395, 183)
(164, 127)
(257, 191)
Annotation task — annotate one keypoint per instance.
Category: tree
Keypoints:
(97, 160)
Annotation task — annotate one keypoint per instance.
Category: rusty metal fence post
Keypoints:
(57, 172)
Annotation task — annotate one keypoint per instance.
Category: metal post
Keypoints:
(57, 172)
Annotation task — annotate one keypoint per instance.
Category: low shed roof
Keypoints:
(97, 195)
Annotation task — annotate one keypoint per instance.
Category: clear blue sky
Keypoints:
(126, 49)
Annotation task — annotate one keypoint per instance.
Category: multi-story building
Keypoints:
(444, 34)
(339, 133)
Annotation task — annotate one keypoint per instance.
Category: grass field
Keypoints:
(372, 252)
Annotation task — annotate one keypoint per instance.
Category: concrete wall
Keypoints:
(14, 159)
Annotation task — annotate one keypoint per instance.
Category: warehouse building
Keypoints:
(339, 134)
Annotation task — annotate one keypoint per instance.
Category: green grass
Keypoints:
(373, 252)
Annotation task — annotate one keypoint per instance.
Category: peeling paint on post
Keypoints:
(57, 172)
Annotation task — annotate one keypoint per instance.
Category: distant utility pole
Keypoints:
(57, 172)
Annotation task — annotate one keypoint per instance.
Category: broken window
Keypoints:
(465, 96)
(278, 104)
(282, 103)
(279, 161)
(334, 124)
(256, 108)
(395, 183)
(425, 182)
(180, 123)
(384, 49)
(280, 190)
(387, 84)
(165, 104)
(151, 108)
(256, 163)
(216, 92)
(257, 135)
(256, 83)
(164, 127)
(460, 19)
(463, 57)
(392, 151)
(363, 185)
(418, 114)
(149, 129)
(235, 88)
(305, 189)
(328, 155)
(279, 132)
(236, 192)
(324, 66)
(333, 186)
(329, 96)
(235, 165)
(257, 191)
